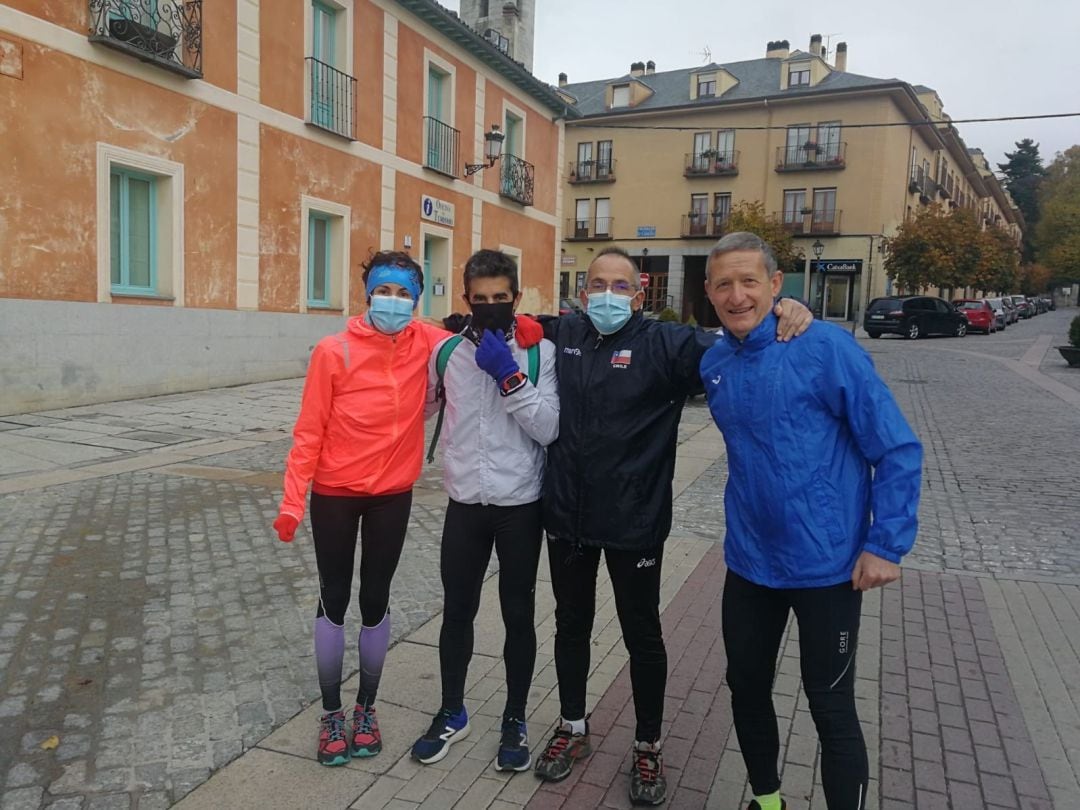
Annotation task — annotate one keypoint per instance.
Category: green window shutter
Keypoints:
(435, 94)
(318, 261)
(140, 229)
(323, 31)
(114, 227)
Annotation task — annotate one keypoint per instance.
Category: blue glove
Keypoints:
(493, 355)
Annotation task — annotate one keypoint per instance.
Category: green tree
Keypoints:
(751, 216)
(1057, 236)
(999, 260)
(934, 249)
(1024, 174)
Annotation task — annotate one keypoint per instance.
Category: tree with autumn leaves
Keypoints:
(1057, 236)
(751, 216)
(950, 249)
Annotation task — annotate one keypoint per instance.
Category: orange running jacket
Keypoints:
(361, 422)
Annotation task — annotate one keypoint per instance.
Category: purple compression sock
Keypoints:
(372, 645)
(329, 652)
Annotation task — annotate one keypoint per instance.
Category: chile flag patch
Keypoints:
(621, 358)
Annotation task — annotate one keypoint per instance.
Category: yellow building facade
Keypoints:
(658, 159)
(190, 188)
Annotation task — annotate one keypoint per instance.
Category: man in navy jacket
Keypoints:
(821, 504)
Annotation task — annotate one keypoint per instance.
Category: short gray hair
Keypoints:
(744, 240)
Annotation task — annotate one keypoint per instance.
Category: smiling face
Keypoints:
(740, 289)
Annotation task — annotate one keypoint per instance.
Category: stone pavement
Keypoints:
(151, 625)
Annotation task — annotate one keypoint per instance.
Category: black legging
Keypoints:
(334, 523)
(469, 532)
(754, 618)
(635, 580)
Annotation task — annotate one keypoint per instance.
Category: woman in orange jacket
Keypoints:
(359, 442)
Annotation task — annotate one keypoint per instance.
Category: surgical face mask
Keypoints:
(608, 311)
(492, 316)
(390, 313)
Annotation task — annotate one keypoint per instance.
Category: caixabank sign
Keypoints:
(851, 266)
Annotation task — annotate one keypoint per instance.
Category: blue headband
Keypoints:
(394, 274)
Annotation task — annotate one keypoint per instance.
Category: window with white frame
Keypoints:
(324, 255)
(331, 88)
(441, 140)
(620, 95)
(140, 201)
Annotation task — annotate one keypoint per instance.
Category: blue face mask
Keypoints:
(390, 313)
(609, 312)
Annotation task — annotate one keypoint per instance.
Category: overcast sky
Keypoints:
(986, 58)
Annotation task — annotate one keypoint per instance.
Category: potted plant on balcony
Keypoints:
(1071, 353)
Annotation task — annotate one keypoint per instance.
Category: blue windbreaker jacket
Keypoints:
(816, 445)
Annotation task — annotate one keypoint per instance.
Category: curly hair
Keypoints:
(394, 258)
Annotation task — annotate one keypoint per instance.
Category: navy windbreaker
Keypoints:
(816, 445)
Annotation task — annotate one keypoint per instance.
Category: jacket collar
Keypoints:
(359, 327)
(762, 335)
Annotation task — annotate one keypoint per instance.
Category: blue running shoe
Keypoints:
(514, 747)
(446, 728)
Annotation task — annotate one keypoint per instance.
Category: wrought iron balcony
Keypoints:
(516, 179)
(441, 146)
(167, 33)
(794, 222)
(711, 163)
(825, 221)
(333, 99)
(703, 225)
(596, 228)
(811, 156)
(592, 171)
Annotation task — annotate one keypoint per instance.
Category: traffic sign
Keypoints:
(643, 278)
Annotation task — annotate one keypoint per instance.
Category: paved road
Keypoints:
(150, 623)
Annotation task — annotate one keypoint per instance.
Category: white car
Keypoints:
(1001, 317)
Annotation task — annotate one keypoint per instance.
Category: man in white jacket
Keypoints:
(499, 418)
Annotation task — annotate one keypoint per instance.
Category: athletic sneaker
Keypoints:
(514, 747)
(648, 785)
(755, 806)
(333, 745)
(562, 751)
(365, 736)
(446, 728)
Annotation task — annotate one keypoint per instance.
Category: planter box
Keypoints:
(1071, 355)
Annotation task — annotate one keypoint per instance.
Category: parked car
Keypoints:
(1023, 308)
(1039, 304)
(1001, 315)
(568, 305)
(1050, 305)
(913, 316)
(979, 313)
(1010, 309)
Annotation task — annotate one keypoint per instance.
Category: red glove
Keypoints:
(285, 526)
(529, 332)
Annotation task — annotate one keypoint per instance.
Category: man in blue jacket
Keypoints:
(820, 505)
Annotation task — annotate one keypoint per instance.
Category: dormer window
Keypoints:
(706, 86)
(620, 95)
(799, 77)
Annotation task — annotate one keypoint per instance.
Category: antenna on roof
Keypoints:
(706, 55)
(828, 39)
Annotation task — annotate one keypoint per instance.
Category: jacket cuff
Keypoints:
(884, 553)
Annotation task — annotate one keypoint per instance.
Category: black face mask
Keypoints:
(492, 316)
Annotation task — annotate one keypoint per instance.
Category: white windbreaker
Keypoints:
(493, 446)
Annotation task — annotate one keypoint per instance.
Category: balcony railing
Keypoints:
(711, 164)
(823, 221)
(167, 33)
(922, 185)
(441, 151)
(596, 228)
(333, 99)
(593, 171)
(516, 179)
(811, 156)
(703, 225)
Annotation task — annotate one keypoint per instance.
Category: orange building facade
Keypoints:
(189, 191)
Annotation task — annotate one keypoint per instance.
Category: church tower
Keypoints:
(507, 24)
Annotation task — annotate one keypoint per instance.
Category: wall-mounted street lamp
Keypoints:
(818, 248)
(493, 141)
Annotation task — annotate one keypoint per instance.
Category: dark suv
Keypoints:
(913, 316)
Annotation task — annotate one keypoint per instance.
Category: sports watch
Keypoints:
(512, 383)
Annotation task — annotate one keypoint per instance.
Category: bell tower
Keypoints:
(506, 24)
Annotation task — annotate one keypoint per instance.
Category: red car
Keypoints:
(979, 313)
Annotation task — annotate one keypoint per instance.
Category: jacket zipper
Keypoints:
(584, 414)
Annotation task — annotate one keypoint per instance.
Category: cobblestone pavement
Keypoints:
(151, 624)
